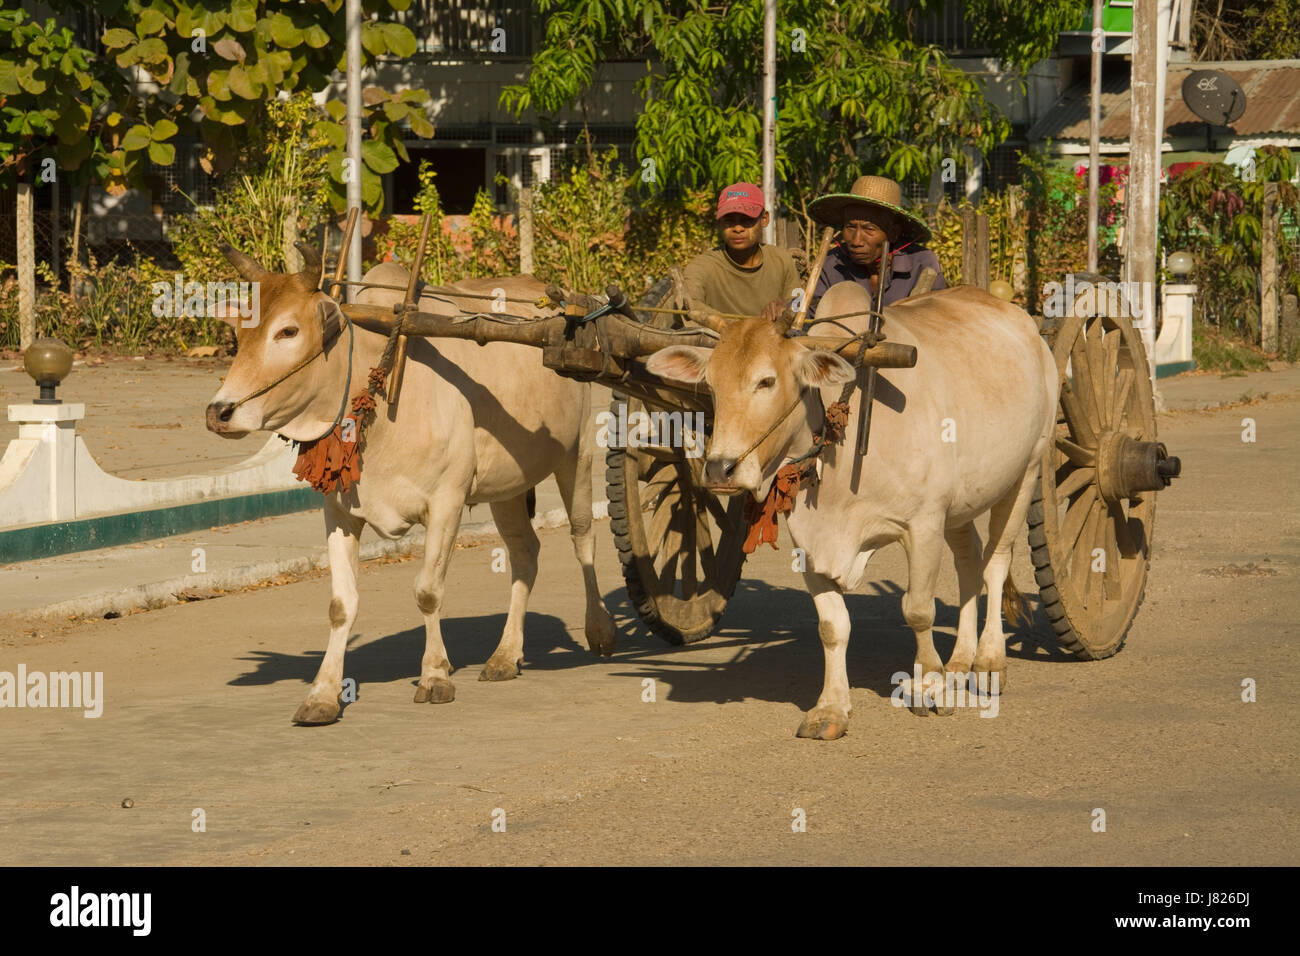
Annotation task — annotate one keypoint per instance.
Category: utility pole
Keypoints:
(354, 138)
(1142, 195)
(1094, 132)
(769, 117)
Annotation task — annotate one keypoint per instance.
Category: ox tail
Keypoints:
(532, 503)
(1014, 606)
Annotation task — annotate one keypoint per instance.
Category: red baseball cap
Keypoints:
(744, 198)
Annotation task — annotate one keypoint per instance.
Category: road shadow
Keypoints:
(777, 656)
(469, 641)
(770, 630)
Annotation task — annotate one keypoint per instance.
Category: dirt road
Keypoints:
(583, 770)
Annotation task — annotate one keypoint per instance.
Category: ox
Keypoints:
(473, 424)
(960, 434)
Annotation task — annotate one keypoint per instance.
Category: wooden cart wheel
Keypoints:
(1090, 524)
(680, 546)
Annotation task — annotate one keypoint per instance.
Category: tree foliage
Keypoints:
(167, 69)
(48, 94)
(855, 90)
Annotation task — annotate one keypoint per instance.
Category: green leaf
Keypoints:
(162, 153)
(420, 125)
(242, 85)
(284, 33)
(8, 79)
(219, 84)
(163, 129)
(243, 15)
(180, 83)
(152, 50)
(151, 21)
(332, 133)
(28, 80)
(137, 137)
(400, 40)
(378, 156)
(117, 37)
(72, 123)
(373, 39)
(315, 36)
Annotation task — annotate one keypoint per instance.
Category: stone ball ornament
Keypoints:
(1180, 264)
(48, 361)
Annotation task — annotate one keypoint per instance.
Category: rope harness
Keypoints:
(333, 458)
(780, 498)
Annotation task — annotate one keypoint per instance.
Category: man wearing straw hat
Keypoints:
(742, 277)
(871, 212)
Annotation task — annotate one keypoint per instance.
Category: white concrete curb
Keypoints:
(164, 593)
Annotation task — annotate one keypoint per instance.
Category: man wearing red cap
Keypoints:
(742, 276)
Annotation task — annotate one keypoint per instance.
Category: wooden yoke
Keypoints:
(408, 305)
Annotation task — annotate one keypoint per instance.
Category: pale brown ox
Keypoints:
(473, 424)
(960, 434)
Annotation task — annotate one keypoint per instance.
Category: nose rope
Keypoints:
(766, 434)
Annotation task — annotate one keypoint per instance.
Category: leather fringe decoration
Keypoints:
(761, 518)
(330, 462)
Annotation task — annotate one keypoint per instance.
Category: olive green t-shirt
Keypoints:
(715, 282)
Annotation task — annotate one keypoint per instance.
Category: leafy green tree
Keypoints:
(855, 90)
(210, 68)
(48, 95)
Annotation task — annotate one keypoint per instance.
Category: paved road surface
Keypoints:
(198, 700)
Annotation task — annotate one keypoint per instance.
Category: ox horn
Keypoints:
(784, 321)
(313, 267)
(246, 266)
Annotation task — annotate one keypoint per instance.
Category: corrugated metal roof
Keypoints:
(1272, 91)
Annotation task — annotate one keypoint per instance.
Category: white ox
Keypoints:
(960, 434)
(473, 424)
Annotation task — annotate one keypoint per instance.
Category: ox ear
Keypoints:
(818, 368)
(680, 363)
(330, 316)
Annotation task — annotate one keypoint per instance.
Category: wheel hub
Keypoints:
(1127, 467)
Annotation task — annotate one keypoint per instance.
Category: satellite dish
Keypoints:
(1214, 96)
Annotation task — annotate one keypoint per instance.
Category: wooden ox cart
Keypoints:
(681, 547)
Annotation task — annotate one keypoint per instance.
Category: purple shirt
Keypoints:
(906, 271)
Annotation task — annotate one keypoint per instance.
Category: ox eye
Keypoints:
(768, 382)
(286, 333)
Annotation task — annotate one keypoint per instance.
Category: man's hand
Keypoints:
(774, 309)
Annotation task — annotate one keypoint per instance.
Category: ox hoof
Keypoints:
(990, 682)
(823, 724)
(496, 669)
(435, 690)
(315, 711)
(600, 634)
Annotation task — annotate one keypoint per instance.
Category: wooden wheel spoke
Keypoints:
(1123, 385)
(1096, 577)
(1114, 573)
(1110, 366)
(1076, 416)
(1083, 375)
(1076, 453)
(1075, 517)
(716, 509)
(1076, 480)
(1096, 369)
(1123, 537)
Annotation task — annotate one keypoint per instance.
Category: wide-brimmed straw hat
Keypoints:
(877, 191)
